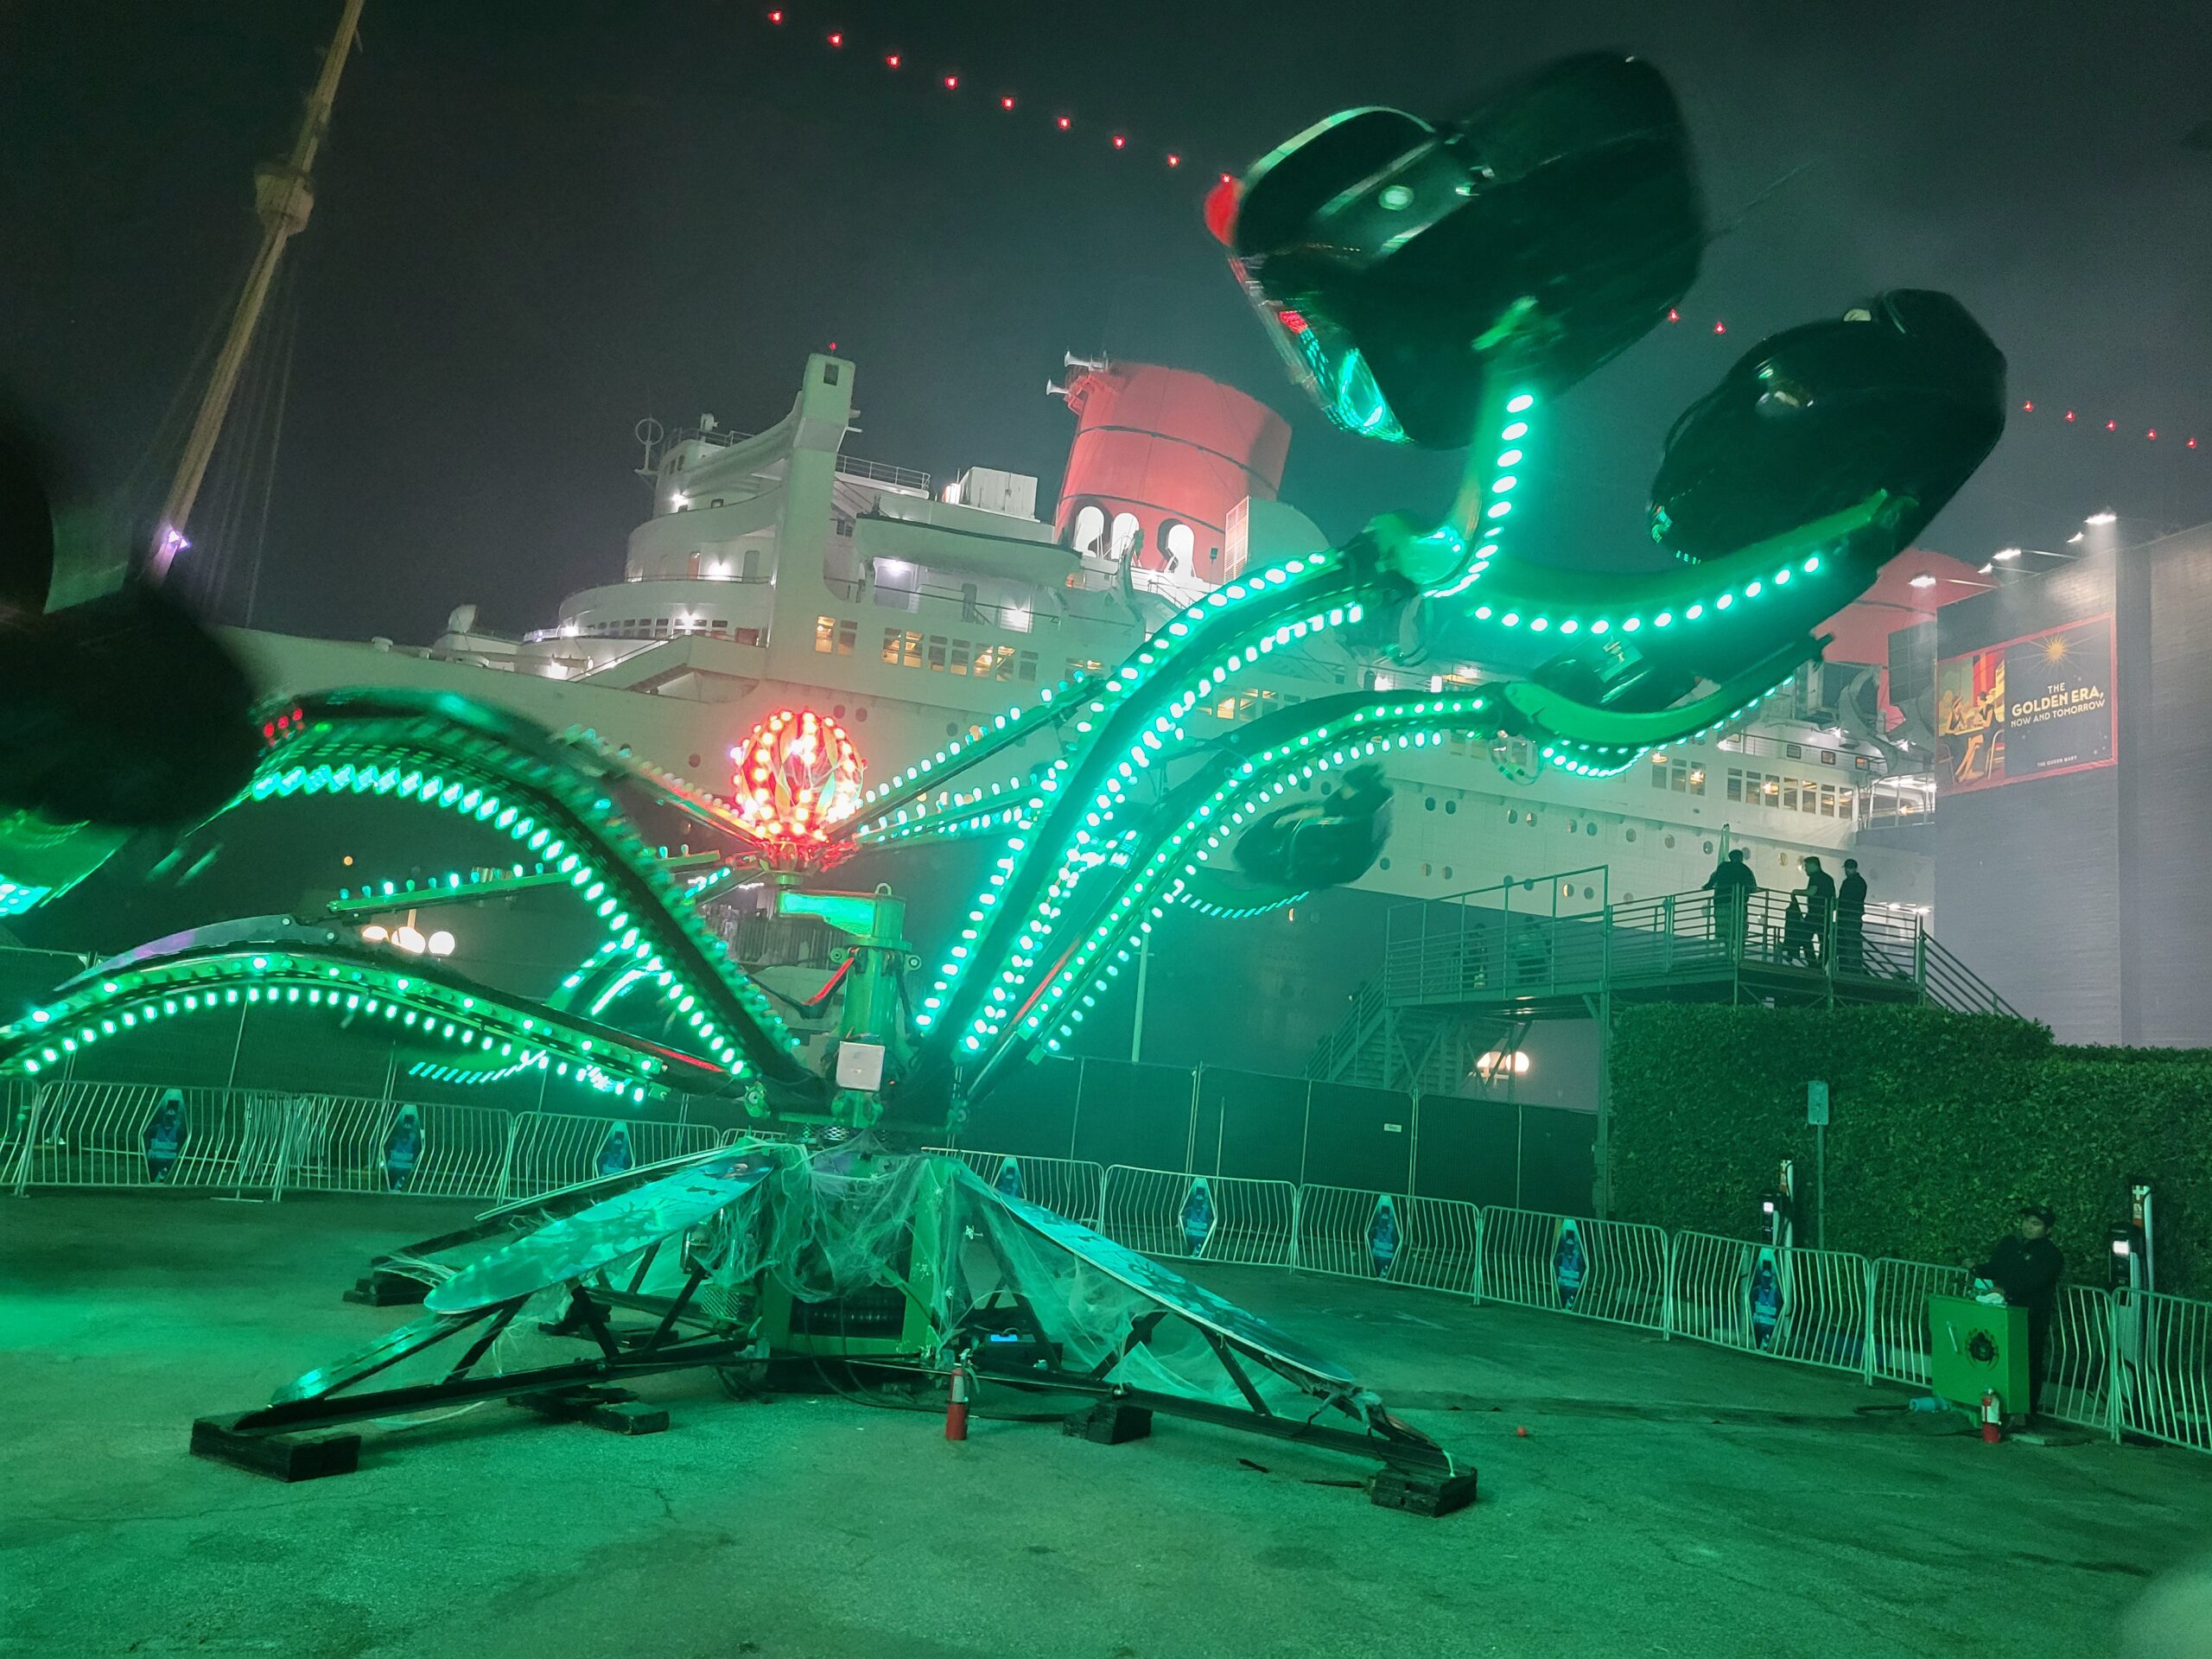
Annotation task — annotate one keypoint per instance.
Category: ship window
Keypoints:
(717, 501)
(1589, 829)
(902, 647)
(1429, 805)
(825, 633)
(1451, 807)
(1128, 535)
(936, 653)
(1027, 668)
(1629, 834)
(959, 663)
(1090, 525)
(751, 637)
(1178, 543)
(986, 658)
(829, 374)
(749, 566)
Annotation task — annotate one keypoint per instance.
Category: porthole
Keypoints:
(1386, 862)
(1450, 807)
(1589, 829)
(1670, 840)
(1589, 893)
(1429, 805)
(1629, 834)
(837, 710)
(693, 761)
(1447, 871)
(1513, 815)
(1424, 867)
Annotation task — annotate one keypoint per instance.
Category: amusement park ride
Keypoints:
(1436, 285)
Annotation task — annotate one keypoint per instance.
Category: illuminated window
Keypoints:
(902, 647)
(1178, 546)
(985, 660)
(1129, 535)
(1077, 667)
(825, 634)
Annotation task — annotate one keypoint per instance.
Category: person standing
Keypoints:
(2025, 1268)
(1820, 908)
(1851, 920)
(1732, 885)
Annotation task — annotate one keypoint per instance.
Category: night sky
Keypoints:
(538, 222)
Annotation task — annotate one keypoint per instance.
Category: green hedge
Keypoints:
(1942, 1125)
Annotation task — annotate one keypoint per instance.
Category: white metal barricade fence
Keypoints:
(140, 1135)
(549, 1150)
(1224, 1218)
(1782, 1302)
(1073, 1187)
(1432, 1243)
(2163, 1348)
(1897, 1334)
(1614, 1270)
(337, 1143)
(2079, 1359)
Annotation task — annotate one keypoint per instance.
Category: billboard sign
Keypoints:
(2035, 706)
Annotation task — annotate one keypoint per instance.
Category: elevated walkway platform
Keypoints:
(1516, 953)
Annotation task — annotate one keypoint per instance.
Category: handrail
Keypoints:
(1452, 950)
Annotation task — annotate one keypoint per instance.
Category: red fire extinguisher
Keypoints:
(1992, 1420)
(956, 1409)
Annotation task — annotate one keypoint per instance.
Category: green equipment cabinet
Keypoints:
(1975, 1347)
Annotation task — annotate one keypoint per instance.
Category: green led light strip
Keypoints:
(517, 781)
(1220, 811)
(232, 977)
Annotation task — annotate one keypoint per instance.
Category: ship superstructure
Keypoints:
(778, 571)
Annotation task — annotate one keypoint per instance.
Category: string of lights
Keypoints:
(1058, 115)
(1061, 116)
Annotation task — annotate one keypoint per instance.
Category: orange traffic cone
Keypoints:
(956, 1409)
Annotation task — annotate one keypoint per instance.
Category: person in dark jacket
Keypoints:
(1732, 885)
(1820, 907)
(1796, 934)
(2025, 1268)
(1851, 920)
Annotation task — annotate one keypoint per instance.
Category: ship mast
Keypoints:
(283, 196)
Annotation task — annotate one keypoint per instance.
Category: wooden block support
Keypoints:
(616, 1410)
(1108, 1423)
(1393, 1489)
(382, 1289)
(281, 1457)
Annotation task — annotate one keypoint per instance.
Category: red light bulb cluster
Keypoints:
(796, 777)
